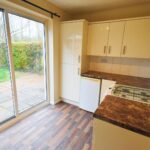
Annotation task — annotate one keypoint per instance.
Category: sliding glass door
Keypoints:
(22, 65)
(27, 38)
(6, 100)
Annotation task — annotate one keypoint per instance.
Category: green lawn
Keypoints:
(5, 74)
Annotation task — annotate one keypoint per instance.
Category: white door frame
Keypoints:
(25, 113)
(11, 62)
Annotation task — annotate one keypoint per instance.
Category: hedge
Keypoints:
(3, 60)
(27, 56)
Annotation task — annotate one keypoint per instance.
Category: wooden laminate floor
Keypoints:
(60, 127)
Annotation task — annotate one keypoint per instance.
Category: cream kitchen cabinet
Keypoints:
(71, 42)
(70, 82)
(116, 30)
(107, 136)
(97, 39)
(105, 39)
(136, 41)
(73, 37)
(66, 81)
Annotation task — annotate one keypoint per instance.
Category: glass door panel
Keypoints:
(6, 101)
(29, 61)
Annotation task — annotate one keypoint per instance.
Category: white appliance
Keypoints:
(89, 94)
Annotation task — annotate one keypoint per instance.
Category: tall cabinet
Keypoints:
(73, 54)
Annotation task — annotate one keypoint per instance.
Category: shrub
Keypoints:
(28, 56)
(3, 54)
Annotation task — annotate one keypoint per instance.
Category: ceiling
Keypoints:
(86, 6)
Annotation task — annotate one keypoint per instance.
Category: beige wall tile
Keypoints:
(125, 66)
(116, 65)
(144, 68)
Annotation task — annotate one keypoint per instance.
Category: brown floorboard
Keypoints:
(60, 127)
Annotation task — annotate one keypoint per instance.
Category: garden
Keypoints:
(27, 56)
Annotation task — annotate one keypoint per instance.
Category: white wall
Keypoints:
(54, 34)
(126, 66)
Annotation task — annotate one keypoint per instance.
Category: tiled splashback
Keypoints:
(125, 66)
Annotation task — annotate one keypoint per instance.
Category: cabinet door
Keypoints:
(71, 42)
(115, 39)
(76, 83)
(97, 39)
(70, 82)
(78, 40)
(137, 39)
(67, 43)
(66, 81)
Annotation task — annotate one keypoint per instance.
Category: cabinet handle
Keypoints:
(78, 71)
(109, 49)
(124, 50)
(79, 59)
(104, 49)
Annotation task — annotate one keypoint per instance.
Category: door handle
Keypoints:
(124, 50)
(78, 71)
(79, 59)
(109, 51)
(104, 49)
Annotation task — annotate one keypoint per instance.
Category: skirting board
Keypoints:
(55, 102)
(70, 101)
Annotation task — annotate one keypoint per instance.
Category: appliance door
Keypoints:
(89, 94)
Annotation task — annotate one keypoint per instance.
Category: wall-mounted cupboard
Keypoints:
(97, 39)
(115, 38)
(130, 38)
(136, 42)
(105, 39)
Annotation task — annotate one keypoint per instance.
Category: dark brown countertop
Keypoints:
(120, 79)
(128, 114)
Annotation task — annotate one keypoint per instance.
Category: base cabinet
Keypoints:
(70, 82)
(66, 83)
(107, 136)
